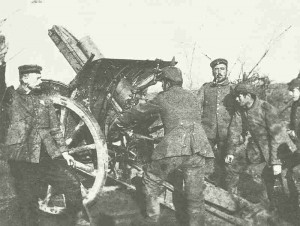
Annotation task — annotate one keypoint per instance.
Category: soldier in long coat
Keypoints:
(216, 108)
(32, 145)
(268, 139)
(294, 160)
(184, 146)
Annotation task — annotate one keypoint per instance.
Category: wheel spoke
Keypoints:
(88, 169)
(82, 148)
(75, 133)
(63, 119)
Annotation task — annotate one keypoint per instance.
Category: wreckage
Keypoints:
(105, 154)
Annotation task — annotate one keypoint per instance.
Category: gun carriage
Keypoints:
(88, 109)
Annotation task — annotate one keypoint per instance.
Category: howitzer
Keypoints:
(88, 109)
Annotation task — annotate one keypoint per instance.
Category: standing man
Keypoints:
(184, 146)
(217, 106)
(33, 142)
(294, 89)
(294, 160)
(268, 139)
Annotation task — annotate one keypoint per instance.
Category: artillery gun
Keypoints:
(106, 154)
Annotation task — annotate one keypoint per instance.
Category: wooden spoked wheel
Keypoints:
(86, 143)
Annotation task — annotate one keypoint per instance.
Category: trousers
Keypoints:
(219, 170)
(29, 177)
(292, 164)
(186, 173)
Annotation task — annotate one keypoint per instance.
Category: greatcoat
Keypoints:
(33, 123)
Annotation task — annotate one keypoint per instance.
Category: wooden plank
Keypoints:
(166, 200)
(218, 197)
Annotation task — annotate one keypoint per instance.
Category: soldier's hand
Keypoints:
(229, 159)
(292, 133)
(276, 169)
(69, 158)
(118, 123)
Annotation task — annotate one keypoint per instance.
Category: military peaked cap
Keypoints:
(25, 69)
(244, 88)
(172, 73)
(295, 83)
(218, 61)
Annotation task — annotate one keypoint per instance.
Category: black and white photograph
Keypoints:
(149, 113)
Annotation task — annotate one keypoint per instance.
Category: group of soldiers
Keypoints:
(202, 134)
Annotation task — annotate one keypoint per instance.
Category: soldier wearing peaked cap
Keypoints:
(173, 74)
(26, 69)
(217, 62)
(184, 146)
(216, 107)
(33, 143)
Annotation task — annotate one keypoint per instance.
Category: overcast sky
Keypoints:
(237, 30)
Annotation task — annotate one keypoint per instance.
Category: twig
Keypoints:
(263, 56)
(268, 49)
(206, 56)
(12, 13)
(237, 59)
(15, 54)
(191, 65)
(242, 69)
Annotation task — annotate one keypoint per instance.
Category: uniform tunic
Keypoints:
(184, 147)
(217, 107)
(179, 113)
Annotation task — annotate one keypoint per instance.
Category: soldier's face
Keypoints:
(295, 93)
(220, 72)
(33, 81)
(242, 99)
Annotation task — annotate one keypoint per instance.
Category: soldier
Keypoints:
(33, 143)
(293, 87)
(294, 160)
(268, 138)
(184, 146)
(217, 106)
